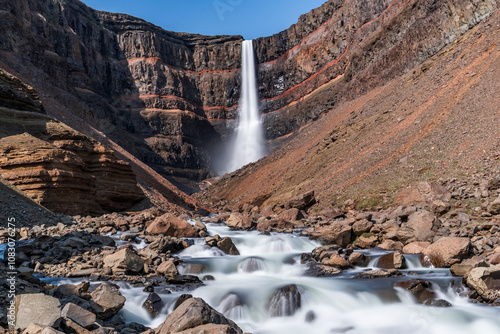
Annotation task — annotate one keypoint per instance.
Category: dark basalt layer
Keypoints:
(170, 98)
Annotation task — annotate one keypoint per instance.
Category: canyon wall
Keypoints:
(55, 165)
(170, 99)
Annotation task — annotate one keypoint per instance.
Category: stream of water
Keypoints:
(244, 285)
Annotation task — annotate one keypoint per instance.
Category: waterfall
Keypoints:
(249, 144)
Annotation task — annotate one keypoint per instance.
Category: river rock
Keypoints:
(285, 301)
(335, 233)
(108, 300)
(486, 281)
(167, 268)
(423, 223)
(416, 247)
(358, 259)
(170, 225)
(379, 273)
(447, 251)
(240, 220)
(437, 302)
(420, 289)
(366, 241)
(79, 315)
(394, 260)
(391, 245)
(37, 308)
(193, 316)
(228, 247)
(153, 304)
(124, 260)
(336, 261)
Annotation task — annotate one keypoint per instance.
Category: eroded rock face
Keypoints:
(49, 160)
(177, 94)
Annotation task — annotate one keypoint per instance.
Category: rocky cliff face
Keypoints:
(55, 165)
(170, 98)
(437, 121)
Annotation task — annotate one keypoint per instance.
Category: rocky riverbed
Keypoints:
(79, 274)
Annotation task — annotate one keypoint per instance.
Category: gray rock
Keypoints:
(124, 260)
(37, 308)
(79, 315)
(486, 281)
(108, 300)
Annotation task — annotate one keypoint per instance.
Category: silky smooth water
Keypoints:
(249, 143)
(244, 285)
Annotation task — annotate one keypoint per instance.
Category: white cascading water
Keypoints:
(244, 289)
(249, 144)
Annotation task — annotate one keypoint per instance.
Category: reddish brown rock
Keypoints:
(391, 245)
(167, 268)
(170, 225)
(416, 247)
(194, 316)
(239, 220)
(423, 223)
(125, 260)
(366, 242)
(335, 233)
(394, 260)
(447, 251)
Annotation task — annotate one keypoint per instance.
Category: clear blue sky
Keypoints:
(249, 18)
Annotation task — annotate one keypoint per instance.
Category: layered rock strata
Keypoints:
(167, 97)
(55, 165)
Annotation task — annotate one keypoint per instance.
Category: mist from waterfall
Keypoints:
(248, 142)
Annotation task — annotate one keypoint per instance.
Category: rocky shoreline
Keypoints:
(140, 249)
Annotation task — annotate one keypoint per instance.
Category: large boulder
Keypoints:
(239, 220)
(37, 308)
(285, 301)
(447, 251)
(335, 233)
(486, 281)
(423, 223)
(302, 201)
(193, 316)
(108, 300)
(393, 260)
(124, 260)
(170, 225)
